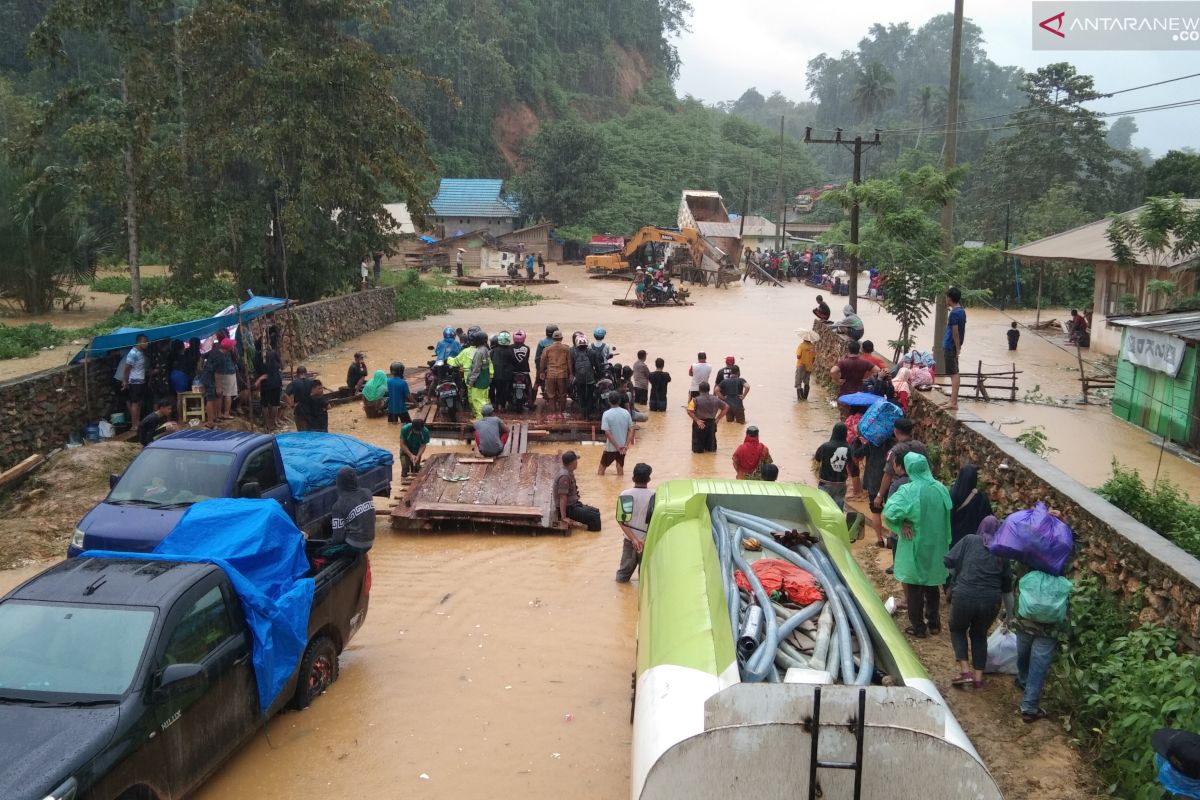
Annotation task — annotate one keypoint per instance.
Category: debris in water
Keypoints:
(556, 755)
(568, 717)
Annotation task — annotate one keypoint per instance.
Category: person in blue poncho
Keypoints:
(448, 347)
(1177, 755)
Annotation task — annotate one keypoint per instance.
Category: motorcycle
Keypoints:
(522, 392)
(442, 387)
(514, 269)
(661, 294)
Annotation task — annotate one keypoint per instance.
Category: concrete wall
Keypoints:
(1134, 562)
(40, 411)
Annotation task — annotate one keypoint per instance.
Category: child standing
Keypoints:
(658, 386)
(1013, 335)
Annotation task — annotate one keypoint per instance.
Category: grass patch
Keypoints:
(1167, 509)
(21, 341)
(170, 289)
(418, 297)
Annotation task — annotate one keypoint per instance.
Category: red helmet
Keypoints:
(519, 337)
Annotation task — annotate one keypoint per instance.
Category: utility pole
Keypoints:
(856, 148)
(779, 232)
(939, 307)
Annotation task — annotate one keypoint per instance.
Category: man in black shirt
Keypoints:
(270, 384)
(148, 427)
(318, 408)
(298, 392)
(356, 376)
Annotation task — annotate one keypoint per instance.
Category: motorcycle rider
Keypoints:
(521, 366)
(503, 366)
(584, 369)
(448, 347)
(601, 350)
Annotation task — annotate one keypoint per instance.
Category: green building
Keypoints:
(1156, 374)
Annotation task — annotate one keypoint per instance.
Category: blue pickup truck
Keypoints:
(176, 471)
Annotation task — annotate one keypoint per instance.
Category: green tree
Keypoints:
(903, 239)
(874, 88)
(1178, 172)
(296, 141)
(1165, 231)
(563, 179)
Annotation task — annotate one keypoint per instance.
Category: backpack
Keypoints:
(1043, 598)
(879, 422)
(584, 368)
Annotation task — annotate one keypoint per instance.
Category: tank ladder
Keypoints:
(815, 763)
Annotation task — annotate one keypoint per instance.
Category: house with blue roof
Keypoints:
(466, 205)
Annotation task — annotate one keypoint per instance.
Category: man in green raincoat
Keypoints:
(919, 514)
(476, 365)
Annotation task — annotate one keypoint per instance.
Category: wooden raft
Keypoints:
(509, 493)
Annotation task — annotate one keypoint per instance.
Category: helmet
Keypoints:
(504, 338)
(479, 338)
(599, 333)
(550, 329)
(581, 341)
(471, 331)
(447, 333)
(519, 337)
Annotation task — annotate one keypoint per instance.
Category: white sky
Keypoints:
(736, 44)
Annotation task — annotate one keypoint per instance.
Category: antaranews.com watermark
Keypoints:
(1122, 25)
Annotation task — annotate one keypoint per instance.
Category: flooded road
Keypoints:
(500, 666)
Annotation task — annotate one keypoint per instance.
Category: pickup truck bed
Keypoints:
(130, 675)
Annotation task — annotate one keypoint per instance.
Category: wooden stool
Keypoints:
(191, 406)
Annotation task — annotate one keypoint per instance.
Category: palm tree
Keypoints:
(875, 87)
(922, 106)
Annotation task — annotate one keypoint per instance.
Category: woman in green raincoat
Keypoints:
(919, 514)
(374, 394)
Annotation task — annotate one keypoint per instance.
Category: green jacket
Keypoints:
(925, 504)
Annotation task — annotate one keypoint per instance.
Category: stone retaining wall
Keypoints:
(39, 412)
(314, 327)
(1135, 563)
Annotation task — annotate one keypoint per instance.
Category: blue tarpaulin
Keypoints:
(262, 551)
(124, 338)
(311, 460)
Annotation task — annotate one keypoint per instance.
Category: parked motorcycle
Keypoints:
(661, 294)
(442, 386)
(522, 392)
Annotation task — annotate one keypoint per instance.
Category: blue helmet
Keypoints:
(448, 333)
(599, 333)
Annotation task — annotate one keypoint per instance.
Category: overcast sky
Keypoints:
(768, 43)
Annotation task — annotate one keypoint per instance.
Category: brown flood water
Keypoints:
(499, 666)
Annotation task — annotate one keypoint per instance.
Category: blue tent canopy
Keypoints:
(262, 551)
(123, 338)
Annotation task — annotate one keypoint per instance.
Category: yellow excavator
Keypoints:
(698, 247)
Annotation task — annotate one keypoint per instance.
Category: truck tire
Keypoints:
(318, 669)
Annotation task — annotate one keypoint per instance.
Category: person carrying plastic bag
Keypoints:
(919, 514)
(982, 581)
(1041, 621)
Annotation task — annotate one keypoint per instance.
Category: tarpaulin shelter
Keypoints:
(262, 551)
(125, 337)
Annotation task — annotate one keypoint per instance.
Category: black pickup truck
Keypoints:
(128, 679)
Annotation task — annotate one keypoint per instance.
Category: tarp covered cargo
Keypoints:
(262, 552)
(312, 460)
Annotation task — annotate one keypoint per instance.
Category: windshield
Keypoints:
(163, 476)
(75, 650)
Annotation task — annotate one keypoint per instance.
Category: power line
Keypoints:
(934, 129)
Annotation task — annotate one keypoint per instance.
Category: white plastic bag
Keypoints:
(107, 431)
(1002, 652)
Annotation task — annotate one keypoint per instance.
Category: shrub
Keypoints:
(1166, 508)
(417, 297)
(1116, 685)
(20, 341)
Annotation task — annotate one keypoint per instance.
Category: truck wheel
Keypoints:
(318, 669)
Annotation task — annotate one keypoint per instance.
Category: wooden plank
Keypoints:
(523, 442)
(465, 509)
(477, 460)
(12, 474)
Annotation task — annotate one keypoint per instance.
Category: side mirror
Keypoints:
(180, 676)
(112, 480)
(250, 490)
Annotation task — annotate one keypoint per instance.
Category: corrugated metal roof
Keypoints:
(471, 197)
(1089, 244)
(1183, 324)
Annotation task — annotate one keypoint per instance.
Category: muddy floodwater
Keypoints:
(499, 666)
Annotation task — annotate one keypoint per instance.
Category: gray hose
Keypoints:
(841, 623)
(751, 632)
(834, 663)
(759, 665)
(866, 656)
(820, 656)
(733, 599)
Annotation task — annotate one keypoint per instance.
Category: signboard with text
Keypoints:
(1156, 351)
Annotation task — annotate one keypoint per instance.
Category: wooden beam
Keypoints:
(13, 474)
(422, 508)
